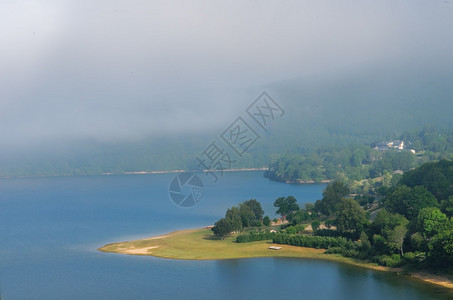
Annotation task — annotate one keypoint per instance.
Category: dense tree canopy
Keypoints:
(350, 217)
(222, 228)
(396, 237)
(437, 178)
(249, 213)
(385, 222)
(286, 205)
(255, 207)
(331, 197)
(441, 247)
(233, 215)
(430, 221)
(409, 201)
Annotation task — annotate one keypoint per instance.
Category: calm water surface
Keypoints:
(50, 229)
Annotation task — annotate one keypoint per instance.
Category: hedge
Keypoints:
(255, 236)
(319, 242)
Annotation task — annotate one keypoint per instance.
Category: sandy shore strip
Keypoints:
(139, 251)
(434, 279)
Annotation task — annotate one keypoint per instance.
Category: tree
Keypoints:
(379, 244)
(222, 228)
(365, 242)
(291, 230)
(441, 247)
(409, 201)
(350, 217)
(447, 206)
(309, 206)
(436, 177)
(396, 237)
(430, 221)
(386, 221)
(387, 179)
(266, 221)
(395, 179)
(396, 201)
(247, 215)
(255, 206)
(391, 230)
(315, 225)
(331, 197)
(233, 215)
(286, 205)
(300, 216)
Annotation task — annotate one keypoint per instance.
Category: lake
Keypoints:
(50, 229)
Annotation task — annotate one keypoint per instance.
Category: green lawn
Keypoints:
(201, 244)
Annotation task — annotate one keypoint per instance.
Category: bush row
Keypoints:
(319, 242)
(254, 236)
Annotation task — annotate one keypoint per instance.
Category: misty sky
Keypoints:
(127, 69)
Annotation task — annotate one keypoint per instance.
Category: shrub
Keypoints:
(254, 236)
(409, 256)
(291, 230)
(396, 257)
(329, 222)
(243, 238)
(350, 253)
(327, 232)
(388, 261)
(256, 223)
(299, 227)
(334, 250)
(345, 252)
(315, 225)
(417, 241)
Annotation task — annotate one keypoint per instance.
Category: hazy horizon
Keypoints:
(123, 71)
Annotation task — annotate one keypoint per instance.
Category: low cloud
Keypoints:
(128, 69)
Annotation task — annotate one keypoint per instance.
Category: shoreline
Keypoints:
(305, 181)
(181, 171)
(200, 244)
(134, 173)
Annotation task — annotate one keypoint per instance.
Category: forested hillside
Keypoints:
(357, 162)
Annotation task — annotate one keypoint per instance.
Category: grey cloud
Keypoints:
(127, 69)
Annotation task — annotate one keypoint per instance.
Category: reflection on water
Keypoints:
(314, 279)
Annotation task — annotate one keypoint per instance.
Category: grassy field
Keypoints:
(201, 244)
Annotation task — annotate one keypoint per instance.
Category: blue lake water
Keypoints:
(50, 229)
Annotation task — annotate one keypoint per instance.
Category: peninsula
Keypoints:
(201, 244)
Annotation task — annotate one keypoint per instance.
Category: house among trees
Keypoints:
(384, 146)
